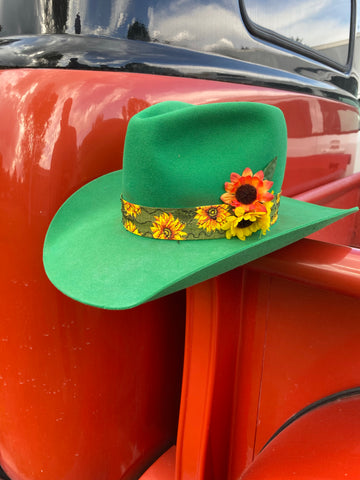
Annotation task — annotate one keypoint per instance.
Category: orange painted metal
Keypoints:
(232, 367)
(270, 338)
(338, 194)
(321, 265)
(198, 384)
(305, 300)
(311, 348)
(321, 445)
(163, 468)
(71, 403)
(86, 392)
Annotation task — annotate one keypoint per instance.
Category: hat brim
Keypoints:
(89, 256)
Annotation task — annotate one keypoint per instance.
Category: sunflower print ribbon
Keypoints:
(198, 223)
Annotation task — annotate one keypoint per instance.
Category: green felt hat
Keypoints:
(198, 195)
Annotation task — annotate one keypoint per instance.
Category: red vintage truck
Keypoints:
(254, 374)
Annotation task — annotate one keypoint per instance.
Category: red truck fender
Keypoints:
(323, 444)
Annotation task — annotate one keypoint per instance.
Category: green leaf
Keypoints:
(270, 168)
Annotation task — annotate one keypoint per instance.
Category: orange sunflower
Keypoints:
(248, 191)
(243, 224)
(168, 228)
(131, 227)
(211, 217)
(131, 208)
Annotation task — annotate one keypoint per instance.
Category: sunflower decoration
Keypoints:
(248, 191)
(251, 200)
(167, 227)
(275, 208)
(211, 217)
(131, 209)
(131, 227)
(243, 224)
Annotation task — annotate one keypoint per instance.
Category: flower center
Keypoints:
(167, 232)
(246, 194)
(244, 223)
(212, 213)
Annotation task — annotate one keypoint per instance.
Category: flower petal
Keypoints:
(268, 184)
(247, 172)
(227, 198)
(267, 197)
(259, 174)
(234, 177)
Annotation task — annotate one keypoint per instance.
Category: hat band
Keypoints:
(198, 223)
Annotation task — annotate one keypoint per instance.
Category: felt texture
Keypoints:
(179, 155)
(176, 155)
(90, 257)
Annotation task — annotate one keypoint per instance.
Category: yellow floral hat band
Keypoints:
(248, 207)
(198, 223)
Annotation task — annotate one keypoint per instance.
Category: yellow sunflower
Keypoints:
(167, 227)
(131, 227)
(131, 208)
(243, 224)
(211, 217)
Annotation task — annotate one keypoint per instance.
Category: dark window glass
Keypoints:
(320, 25)
(179, 22)
(202, 25)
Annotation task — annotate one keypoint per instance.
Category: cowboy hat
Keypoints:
(199, 194)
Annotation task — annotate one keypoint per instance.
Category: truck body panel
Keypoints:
(88, 393)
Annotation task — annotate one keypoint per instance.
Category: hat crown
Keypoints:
(179, 155)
